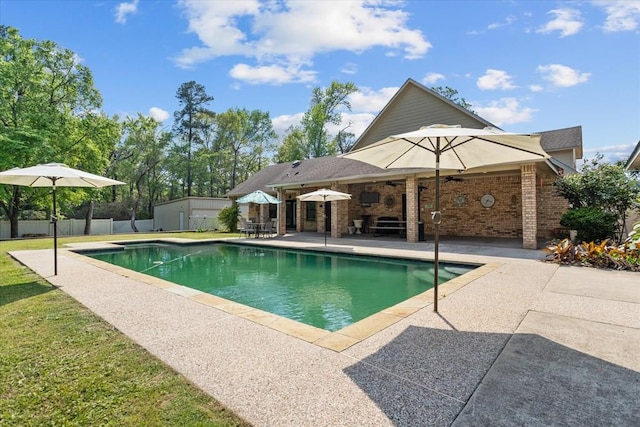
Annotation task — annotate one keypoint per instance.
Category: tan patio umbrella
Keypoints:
(54, 175)
(453, 148)
(324, 195)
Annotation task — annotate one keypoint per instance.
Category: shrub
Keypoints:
(602, 255)
(228, 217)
(592, 224)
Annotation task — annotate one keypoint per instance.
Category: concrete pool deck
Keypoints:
(526, 343)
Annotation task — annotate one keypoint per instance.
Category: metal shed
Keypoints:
(189, 213)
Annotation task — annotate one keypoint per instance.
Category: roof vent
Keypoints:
(295, 163)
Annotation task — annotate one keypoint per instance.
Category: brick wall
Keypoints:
(462, 213)
(551, 206)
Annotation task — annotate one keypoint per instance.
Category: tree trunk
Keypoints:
(133, 219)
(13, 220)
(13, 211)
(87, 219)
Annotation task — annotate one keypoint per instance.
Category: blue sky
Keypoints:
(525, 66)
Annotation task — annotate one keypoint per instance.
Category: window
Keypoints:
(310, 211)
(273, 211)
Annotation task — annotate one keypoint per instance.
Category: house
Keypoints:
(634, 159)
(523, 201)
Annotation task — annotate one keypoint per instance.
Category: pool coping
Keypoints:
(337, 341)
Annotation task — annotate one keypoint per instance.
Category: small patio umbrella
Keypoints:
(259, 197)
(324, 195)
(449, 147)
(54, 175)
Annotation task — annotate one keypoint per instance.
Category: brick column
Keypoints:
(282, 214)
(339, 213)
(529, 208)
(320, 224)
(412, 209)
(299, 214)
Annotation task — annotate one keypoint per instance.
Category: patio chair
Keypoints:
(268, 229)
(251, 228)
(242, 226)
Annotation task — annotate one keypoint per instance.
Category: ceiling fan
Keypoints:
(452, 178)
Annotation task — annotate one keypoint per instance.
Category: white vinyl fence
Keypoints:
(72, 227)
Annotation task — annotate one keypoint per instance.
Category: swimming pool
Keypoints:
(328, 291)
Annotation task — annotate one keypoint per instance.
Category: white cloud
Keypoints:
(371, 101)
(567, 21)
(432, 78)
(611, 153)
(507, 21)
(294, 32)
(494, 26)
(622, 15)
(536, 88)
(562, 76)
(159, 114)
(358, 123)
(349, 68)
(495, 79)
(283, 122)
(273, 74)
(125, 9)
(506, 111)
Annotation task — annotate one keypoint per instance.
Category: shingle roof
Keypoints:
(332, 168)
(562, 139)
(309, 171)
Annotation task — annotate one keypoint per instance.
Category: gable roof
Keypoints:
(413, 106)
(562, 139)
(634, 159)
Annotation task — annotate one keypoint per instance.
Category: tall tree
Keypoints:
(188, 122)
(48, 107)
(324, 110)
(292, 146)
(142, 151)
(245, 134)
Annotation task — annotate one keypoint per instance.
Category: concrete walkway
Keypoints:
(527, 343)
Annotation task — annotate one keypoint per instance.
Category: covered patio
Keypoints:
(514, 203)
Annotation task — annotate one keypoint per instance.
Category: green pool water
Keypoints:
(328, 291)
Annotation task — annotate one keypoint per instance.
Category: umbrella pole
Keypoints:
(436, 230)
(55, 233)
(325, 220)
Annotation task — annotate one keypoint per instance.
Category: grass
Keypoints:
(62, 365)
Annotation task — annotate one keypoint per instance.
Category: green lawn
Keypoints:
(62, 365)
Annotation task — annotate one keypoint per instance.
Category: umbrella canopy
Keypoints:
(259, 197)
(450, 147)
(456, 148)
(54, 175)
(324, 195)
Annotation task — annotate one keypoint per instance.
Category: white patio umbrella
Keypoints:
(54, 175)
(324, 195)
(450, 147)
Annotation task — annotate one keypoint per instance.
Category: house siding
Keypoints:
(413, 109)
